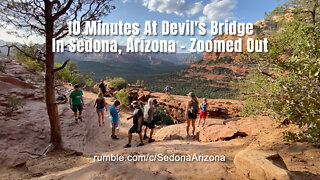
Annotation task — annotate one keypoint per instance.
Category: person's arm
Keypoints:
(105, 104)
(130, 117)
(70, 102)
(139, 123)
(82, 100)
(95, 103)
(187, 108)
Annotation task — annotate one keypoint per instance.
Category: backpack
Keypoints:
(194, 107)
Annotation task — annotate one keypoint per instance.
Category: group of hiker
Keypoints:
(141, 118)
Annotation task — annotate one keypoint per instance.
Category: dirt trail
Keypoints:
(26, 132)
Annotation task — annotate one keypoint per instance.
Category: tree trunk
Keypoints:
(52, 107)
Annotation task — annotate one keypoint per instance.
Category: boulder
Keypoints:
(257, 164)
(11, 159)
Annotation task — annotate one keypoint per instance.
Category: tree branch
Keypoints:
(63, 66)
(25, 53)
(264, 73)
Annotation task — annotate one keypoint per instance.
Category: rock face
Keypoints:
(175, 105)
(235, 56)
(256, 164)
(221, 129)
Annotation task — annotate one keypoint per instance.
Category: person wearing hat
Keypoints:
(192, 110)
(137, 124)
(76, 102)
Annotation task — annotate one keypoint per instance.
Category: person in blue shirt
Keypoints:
(114, 116)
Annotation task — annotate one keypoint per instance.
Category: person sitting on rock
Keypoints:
(192, 112)
(204, 112)
(148, 119)
(137, 124)
(114, 116)
(76, 102)
(100, 103)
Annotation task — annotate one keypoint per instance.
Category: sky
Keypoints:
(178, 11)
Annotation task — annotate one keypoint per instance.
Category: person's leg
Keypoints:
(145, 133)
(204, 120)
(129, 138)
(200, 117)
(188, 125)
(151, 133)
(102, 114)
(193, 126)
(80, 108)
(113, 129)
(140, 136)
(98, 112)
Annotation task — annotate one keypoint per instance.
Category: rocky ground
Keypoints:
(253, 146)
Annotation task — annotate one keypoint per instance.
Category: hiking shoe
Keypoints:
(141, 144)
(76, 119)
(99, 125)
(114, 137)
(80, 118)
(145, 137)
(127, 146)
(151, 140)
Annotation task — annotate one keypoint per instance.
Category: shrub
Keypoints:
(32, 64)
(160, 117)
(118, 83)
(15, 103)
(123, 96)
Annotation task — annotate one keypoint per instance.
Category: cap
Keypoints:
(135, 104)
(191, 94)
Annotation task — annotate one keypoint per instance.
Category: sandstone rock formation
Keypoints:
(255, 164)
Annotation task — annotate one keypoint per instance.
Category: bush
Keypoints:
(32, 64)
(123, 96)
(72, 75)
(15, 103)
(118, 83)
(160, 117)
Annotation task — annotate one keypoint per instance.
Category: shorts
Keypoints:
(150, 124)
(114, 125)
(203, 115)
(192, 116)
(100, 110)
(134, 129)
(76, 108)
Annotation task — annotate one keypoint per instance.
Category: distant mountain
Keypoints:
(131, 66)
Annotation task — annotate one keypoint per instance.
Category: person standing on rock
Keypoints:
(114, 114)
(192, 110)
(148, 119)
(102, 88)
(100, 104)
(168, 89)
(204, 112)
(76, 102)
(137, 124)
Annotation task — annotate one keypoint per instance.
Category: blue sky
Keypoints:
(180, 11)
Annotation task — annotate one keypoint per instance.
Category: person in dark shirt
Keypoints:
(137, 124)
(102, 88)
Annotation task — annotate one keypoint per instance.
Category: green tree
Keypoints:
(292, 69)
(123, 96)
(118, 83)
